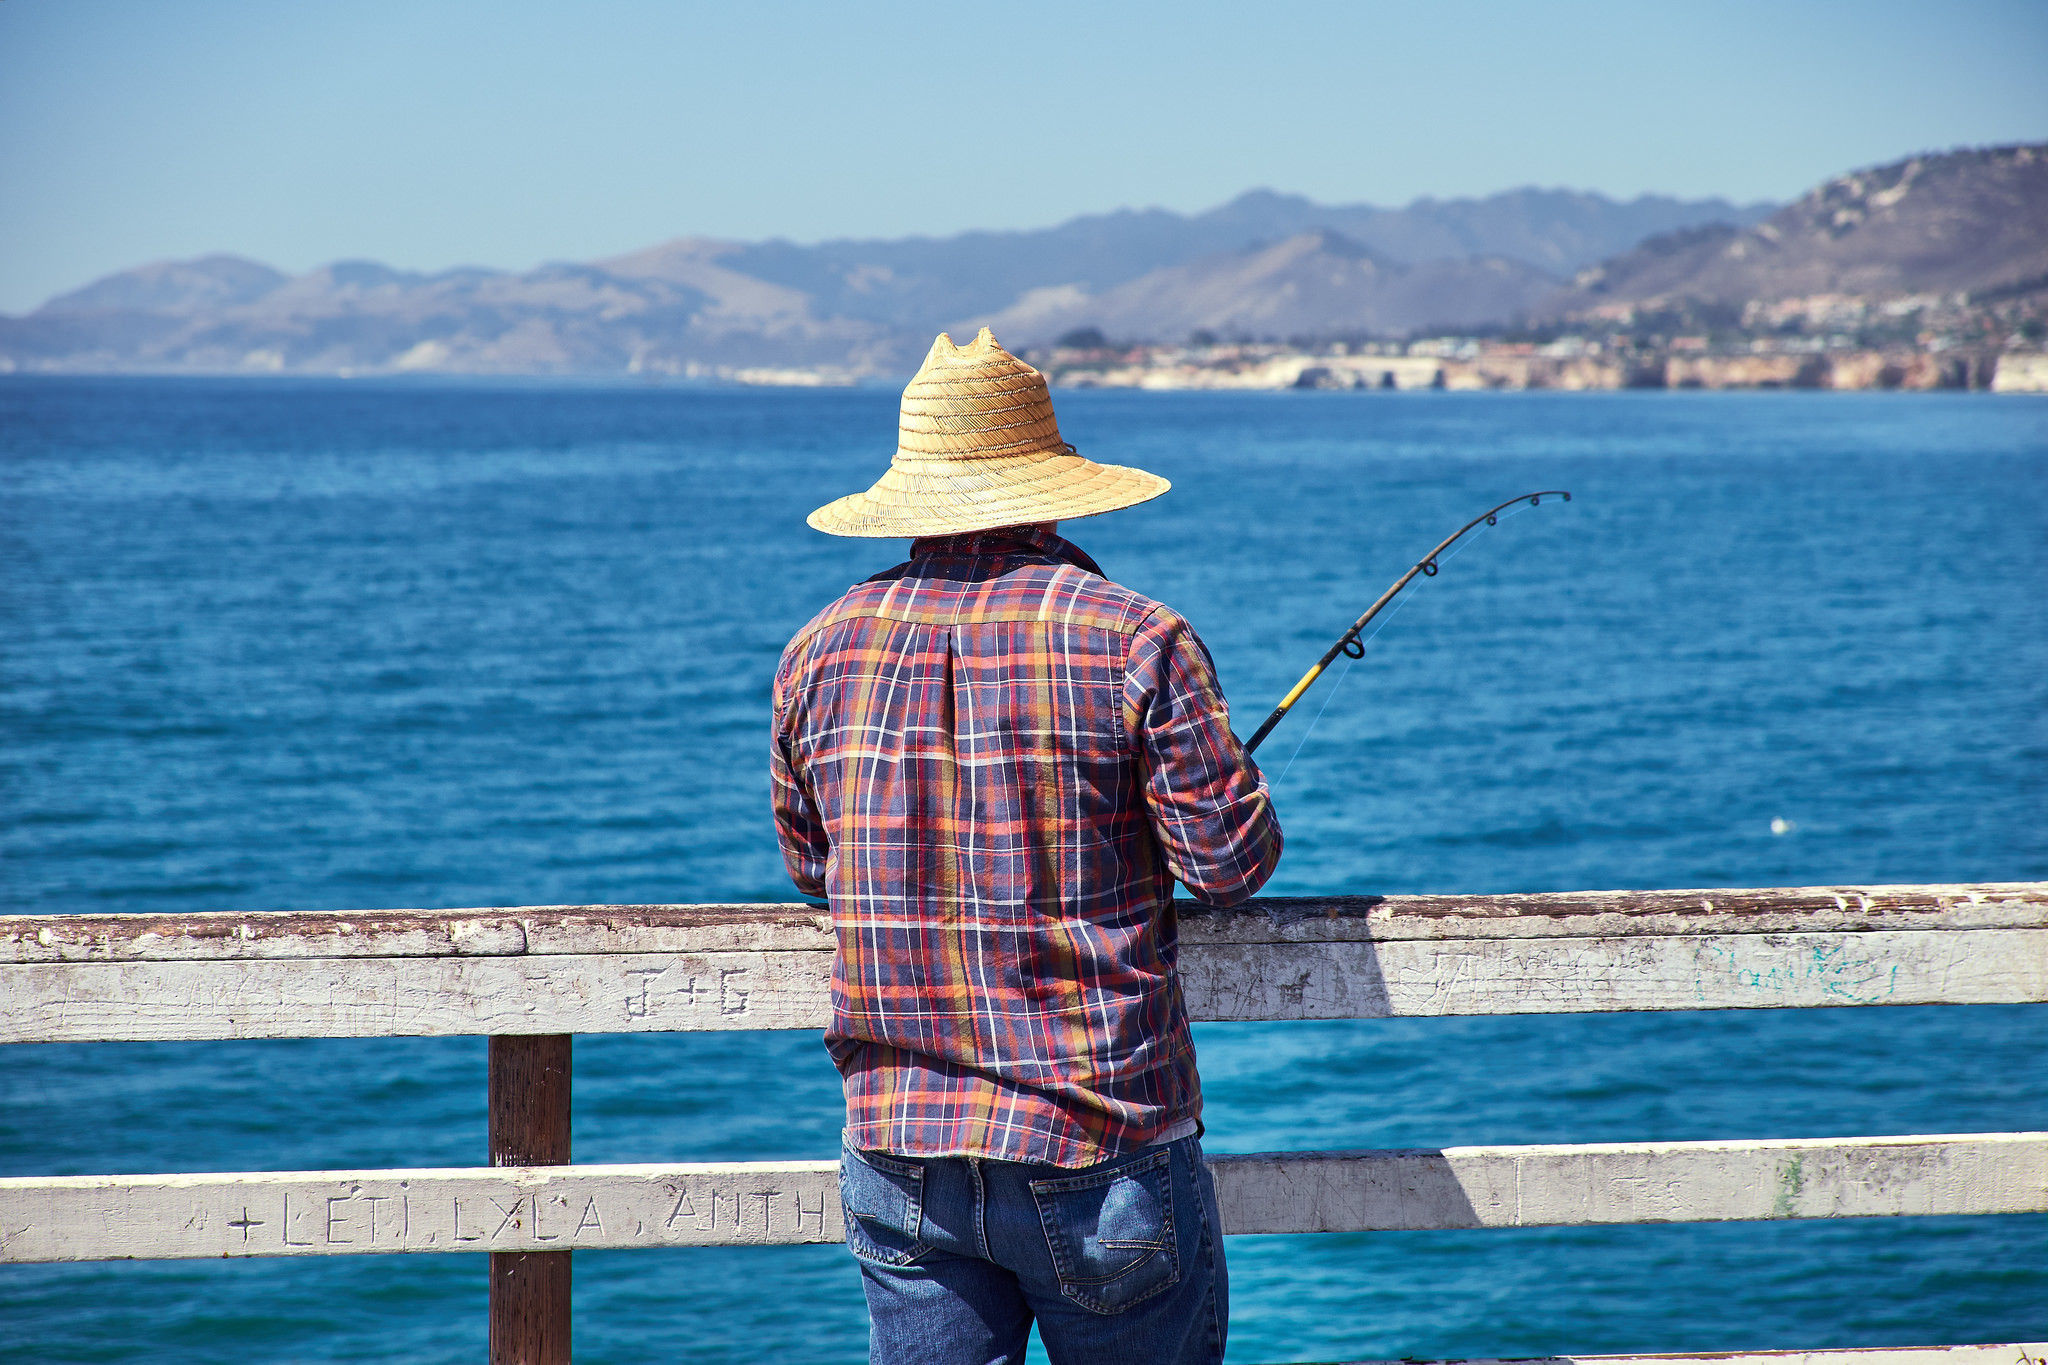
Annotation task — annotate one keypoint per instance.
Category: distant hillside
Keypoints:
(1973, 221)
(1314, 284)
(174, 287)
(701, 307)
(978, 274)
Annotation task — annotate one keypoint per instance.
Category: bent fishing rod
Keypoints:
(1349, 645)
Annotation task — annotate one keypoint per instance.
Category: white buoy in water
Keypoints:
(1781, 826)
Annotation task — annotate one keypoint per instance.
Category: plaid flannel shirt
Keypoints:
(993, 763)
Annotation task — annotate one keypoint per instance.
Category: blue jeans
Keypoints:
(1121, 1261)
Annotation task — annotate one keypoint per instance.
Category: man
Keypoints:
(993, 762)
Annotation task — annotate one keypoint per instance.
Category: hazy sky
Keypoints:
(507, 133)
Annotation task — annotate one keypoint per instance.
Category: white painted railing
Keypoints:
(537, 974)
(667, 968)
(761, 1203)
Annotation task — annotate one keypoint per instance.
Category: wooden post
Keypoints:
(529, 1089)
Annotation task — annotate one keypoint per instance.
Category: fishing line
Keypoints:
(1352, 645)
(1335, 688)
(1338, 685)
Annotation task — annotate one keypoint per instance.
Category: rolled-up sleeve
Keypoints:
(798, 827)
(1207, 800)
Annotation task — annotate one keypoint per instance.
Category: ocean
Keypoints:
(289, 644)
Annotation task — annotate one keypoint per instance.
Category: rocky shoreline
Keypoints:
(1470, 365)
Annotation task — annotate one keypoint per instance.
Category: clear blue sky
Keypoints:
(507, 133)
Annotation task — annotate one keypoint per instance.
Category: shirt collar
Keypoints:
(1036, 539)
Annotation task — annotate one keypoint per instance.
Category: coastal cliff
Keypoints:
(1475, 366)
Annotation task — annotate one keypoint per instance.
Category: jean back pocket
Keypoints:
(1111, 1232)
(883, 1200)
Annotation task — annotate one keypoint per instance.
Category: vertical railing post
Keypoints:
(529, 1088)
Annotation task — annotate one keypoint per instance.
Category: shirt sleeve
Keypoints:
(1207, 800)
(798, 827)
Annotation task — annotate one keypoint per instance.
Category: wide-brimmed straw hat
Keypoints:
(977, 448)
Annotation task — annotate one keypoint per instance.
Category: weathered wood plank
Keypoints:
(2012, 1353)
(1413, 977)
(529, 1084)
(330, 1213)
(313, 1213)
(1491, 1187)
(649, 992)
(412, 997)
(559, 929)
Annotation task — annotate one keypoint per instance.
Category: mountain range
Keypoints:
(1966, 224)
(1264, 263)
(1973, 222)
(1316, 283)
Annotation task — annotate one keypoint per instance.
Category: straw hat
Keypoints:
(977, 448)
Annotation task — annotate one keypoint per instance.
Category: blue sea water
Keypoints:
(269, 645)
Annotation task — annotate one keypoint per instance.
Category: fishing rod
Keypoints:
(1349, 645)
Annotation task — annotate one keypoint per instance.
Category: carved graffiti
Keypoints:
(285, 1225)
(732, 998)
(651, 989)
(353, 1217)
(764, 1211)
(511, 1218)
(336, 1222)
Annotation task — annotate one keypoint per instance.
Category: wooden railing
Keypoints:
(532, 977)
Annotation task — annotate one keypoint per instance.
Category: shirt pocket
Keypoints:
(883, 1200)
(1111, 1233)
